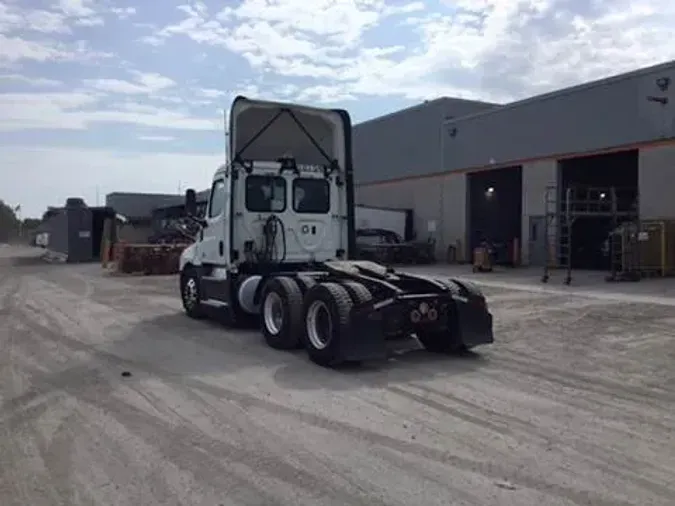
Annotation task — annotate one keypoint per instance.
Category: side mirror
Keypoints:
(190, 202)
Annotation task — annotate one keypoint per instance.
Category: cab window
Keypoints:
(217, 199)
(265, 194)
(311, 195)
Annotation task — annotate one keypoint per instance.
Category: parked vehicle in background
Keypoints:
(399, 221)
(386, 246)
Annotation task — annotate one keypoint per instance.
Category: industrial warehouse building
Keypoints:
(472, 170)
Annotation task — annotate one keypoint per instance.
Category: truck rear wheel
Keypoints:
(327, 313)
(358, 292)
(440, 342)
(281, 313)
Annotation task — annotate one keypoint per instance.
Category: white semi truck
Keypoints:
(276, 241)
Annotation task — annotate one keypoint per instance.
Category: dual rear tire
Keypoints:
(301, 312)
(308, 314)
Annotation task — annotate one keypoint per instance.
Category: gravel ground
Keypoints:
(572, 405)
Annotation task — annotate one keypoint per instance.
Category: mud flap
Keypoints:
(474, 321)
(365, 339)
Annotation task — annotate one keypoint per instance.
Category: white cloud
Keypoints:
(15, 49)
(45, 22)
(32, 81)
(483, 49)
(210, 93)
(58, 173)
(90, 21)
(123, 12)
(77, 8)
(157, 138)
(75, 111)
(145, 83)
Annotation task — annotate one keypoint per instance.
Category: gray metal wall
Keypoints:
(405, 143)
(656, 176)
(439, 199)
(444, 199)
(536, 177)
(57, 227)
(595, 116)
(80, 234)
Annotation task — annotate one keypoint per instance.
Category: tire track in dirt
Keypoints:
(88, 384)
(139, 423)
(144, 425)
(625, 467)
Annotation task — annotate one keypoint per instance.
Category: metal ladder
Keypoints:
(558, 234)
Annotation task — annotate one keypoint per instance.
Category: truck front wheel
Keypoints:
(190, 293)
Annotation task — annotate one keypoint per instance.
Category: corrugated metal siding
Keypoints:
(405, 143)
(609, 113)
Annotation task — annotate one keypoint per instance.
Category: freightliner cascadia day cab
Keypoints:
(276, 241)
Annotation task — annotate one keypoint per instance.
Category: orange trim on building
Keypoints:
(566, 156)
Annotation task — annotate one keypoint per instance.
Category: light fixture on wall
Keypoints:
(663, 83)
(489, 192)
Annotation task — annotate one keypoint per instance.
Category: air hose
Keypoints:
(270, 252)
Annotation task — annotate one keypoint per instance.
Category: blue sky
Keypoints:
(115, 95)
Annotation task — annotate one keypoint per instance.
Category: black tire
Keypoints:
(441, 342)
(190, 293)
(358, 292)
(285, 334)
(333, 302)
(305, 282)
(467, 287)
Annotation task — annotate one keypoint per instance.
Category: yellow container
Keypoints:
(657, 247)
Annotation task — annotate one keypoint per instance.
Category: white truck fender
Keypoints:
(188, 256)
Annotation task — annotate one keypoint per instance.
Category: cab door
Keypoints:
(214, 239)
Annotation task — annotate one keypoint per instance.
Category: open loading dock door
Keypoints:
(596, 194)
(495, 211)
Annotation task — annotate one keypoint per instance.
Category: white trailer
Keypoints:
(396, 220)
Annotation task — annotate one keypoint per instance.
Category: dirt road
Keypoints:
(573, 405)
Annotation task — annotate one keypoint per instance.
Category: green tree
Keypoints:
(9, 223)
(30, 224)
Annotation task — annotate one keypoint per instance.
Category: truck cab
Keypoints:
(285, 200)
(276, 239)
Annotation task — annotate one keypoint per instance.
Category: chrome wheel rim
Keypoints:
(190, 294)
(319, 324)
(273, 313)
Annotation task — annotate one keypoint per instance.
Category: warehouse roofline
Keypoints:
(429, 103)
(566, 91)
(140, 194)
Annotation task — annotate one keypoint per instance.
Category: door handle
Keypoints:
(220, 248)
